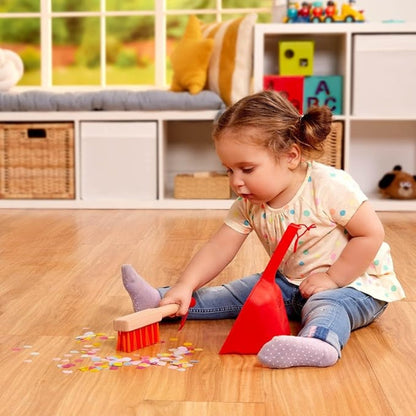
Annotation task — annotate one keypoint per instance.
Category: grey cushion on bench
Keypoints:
(109, 100)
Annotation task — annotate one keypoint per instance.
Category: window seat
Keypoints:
(109, 100)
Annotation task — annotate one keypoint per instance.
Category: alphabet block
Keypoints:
(291, 87)
(323, 91)
(296, 58)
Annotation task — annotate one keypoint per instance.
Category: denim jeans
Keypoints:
(330, 315)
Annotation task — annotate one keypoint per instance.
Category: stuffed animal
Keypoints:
(398, 184)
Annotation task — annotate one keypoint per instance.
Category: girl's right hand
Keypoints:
(180, 294)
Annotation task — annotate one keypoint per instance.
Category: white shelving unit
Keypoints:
(378, 66)
(128, 159)
(171, 142)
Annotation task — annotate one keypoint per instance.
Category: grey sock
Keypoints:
(142, 294)
(289, 351)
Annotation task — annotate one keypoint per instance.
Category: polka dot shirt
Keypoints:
(328, 198)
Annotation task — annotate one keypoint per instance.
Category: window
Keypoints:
(106, 42)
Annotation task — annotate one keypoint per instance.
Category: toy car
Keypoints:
(315, 13)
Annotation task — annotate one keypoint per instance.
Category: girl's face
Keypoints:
(256, 173)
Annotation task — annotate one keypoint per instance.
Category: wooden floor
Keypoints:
(60, 289)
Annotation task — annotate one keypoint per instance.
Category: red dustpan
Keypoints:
(263, 315)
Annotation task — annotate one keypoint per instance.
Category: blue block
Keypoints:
(323, 91)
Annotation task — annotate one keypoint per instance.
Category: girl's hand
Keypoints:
(366, 236)
(316, 282)
(207, 263)
(180, 294)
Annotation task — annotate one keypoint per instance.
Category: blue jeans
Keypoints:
(330, 315)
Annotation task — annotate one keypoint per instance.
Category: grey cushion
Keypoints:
(109, 100)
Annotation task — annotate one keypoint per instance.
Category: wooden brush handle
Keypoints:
(143, 318)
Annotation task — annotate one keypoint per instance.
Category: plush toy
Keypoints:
(398, 184)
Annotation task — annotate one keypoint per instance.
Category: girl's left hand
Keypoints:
(316, 282)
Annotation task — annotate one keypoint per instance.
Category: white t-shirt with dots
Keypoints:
(328, 198)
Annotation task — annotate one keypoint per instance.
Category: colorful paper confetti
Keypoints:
(87, 356)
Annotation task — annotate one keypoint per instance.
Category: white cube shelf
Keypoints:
(378, 65)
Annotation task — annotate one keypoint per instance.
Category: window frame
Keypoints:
(159, 13)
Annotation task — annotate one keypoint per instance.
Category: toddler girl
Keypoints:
(341, 276)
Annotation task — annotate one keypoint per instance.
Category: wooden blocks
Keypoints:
(304, 92)
(296, 81)
(296, 57)
(290, 86)
(323, 91)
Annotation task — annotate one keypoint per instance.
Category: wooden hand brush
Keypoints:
(141, 329)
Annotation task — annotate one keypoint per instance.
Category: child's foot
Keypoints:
(289, 351)
(142, 294)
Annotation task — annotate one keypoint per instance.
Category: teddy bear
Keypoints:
(398, 184)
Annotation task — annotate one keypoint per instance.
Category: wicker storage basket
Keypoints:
(202, 185)
(37, 161)
(332, 150)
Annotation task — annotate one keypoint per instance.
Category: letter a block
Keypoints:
(323, 91)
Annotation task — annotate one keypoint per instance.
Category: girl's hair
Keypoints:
(278, 121)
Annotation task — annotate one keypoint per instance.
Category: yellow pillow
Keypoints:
(190, 59)
(230, 68)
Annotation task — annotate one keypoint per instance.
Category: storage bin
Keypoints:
(118, 160)
(37, 161)
(332, 148)
(202, 185)
(384, 72)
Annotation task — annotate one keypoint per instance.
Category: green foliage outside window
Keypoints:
(130, 40)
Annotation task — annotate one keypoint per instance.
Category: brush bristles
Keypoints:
(138, 338)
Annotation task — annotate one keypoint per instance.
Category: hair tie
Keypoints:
(301, 118)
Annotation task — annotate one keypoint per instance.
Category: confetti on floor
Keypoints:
(87, 356)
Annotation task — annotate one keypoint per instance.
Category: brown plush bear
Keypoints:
(398, 184)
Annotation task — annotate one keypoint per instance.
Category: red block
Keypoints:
(290, 86)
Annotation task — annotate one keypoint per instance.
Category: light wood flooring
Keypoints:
(60, 279)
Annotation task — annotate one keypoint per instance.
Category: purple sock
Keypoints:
(142, 294)
(289, 351)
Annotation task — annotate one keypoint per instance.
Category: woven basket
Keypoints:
(37, 161)
(332, 149)
(202, 185)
